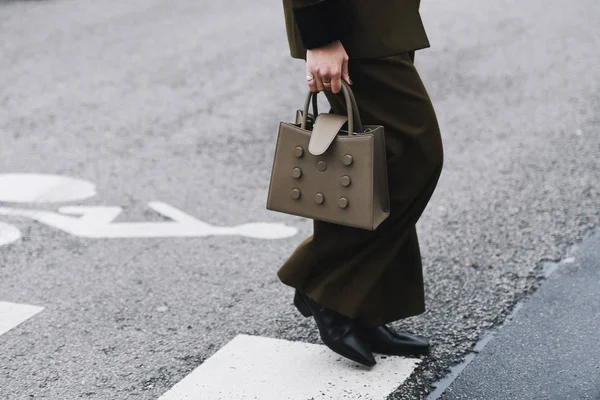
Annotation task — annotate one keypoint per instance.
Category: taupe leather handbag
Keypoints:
(331, 174)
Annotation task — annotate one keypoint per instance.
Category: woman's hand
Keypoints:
(327, 64)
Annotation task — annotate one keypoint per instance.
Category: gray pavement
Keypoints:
(551, 349)
(179, 101)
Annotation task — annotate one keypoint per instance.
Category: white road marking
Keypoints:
(42, 188)
(253, 367)
(8, 233)
(12, 314)
(96, 222)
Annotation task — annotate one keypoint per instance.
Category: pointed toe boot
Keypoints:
(337, 331)
(384, 340)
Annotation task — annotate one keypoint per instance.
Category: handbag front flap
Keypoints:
(325, 129)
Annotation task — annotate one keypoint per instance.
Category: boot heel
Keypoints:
(301, 305)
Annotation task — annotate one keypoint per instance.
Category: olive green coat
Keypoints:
(378, 28)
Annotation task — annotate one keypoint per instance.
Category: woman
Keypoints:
(354, 281)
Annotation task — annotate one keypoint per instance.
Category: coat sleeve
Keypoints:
(320, 22)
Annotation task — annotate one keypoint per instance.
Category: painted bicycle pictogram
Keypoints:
(98, 221)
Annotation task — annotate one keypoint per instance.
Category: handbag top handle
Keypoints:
(351, 107)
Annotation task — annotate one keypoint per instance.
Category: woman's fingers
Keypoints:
(316, 84)
(329, 65)
(336, 81)
(312, 83)
(345, 74)
(320, 78)
(328, 79)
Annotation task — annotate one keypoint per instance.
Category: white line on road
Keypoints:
(253, 367)
(43, 188)
(12, 314)
(98, 221)
(8, 233)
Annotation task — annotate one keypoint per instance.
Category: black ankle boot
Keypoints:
(385, 341)
(337, 331)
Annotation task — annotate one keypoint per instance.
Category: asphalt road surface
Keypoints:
(167, 113)
(551, 349)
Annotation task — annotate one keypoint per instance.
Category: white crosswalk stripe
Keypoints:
(253, 367)
(13, 314)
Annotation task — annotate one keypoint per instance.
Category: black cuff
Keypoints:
(322, 23)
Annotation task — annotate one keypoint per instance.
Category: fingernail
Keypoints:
(350, 80)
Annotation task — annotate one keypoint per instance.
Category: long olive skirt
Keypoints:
(376, 276)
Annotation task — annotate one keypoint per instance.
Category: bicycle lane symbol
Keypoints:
(97, 221)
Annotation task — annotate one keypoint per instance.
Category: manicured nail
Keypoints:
(350, 80)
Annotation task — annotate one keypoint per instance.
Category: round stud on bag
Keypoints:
(298, 151)
(319, 198)
(343, 202)
(295, 194)
(347, 160)
(321, 165)
(296, 172)
(346, 180)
